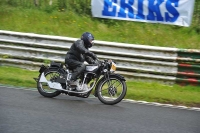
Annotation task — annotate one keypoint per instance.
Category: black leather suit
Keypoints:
(76, 56)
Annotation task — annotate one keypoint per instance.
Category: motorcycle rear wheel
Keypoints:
(44, 89)
(111, 91)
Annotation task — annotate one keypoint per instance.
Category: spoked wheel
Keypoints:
(111, 91)
(44, 89)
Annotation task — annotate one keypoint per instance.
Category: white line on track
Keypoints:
(125, 100)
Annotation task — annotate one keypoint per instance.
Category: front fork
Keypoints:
(107, 76)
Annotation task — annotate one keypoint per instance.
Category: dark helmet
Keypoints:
(88, 39)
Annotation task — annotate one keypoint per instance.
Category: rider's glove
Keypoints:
(92, 55)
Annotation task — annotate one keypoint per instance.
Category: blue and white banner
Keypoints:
(175, 12)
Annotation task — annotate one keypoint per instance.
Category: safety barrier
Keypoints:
(29, 50)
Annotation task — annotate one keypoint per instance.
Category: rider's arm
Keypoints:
(81, 48)
(89, 60)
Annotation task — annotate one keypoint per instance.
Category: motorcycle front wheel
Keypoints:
(111, 91)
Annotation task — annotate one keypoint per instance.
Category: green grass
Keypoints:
(137, 90)
(17, 77)
(157, 92)
(71, 24)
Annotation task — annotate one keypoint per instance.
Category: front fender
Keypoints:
(119, 76)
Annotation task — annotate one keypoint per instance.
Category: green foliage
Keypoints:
(47, 62)
(12, 2)
(72, 18)
(81, 7)
(5, 56)
(61, 5)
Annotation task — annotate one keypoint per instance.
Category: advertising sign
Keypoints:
(175, 12)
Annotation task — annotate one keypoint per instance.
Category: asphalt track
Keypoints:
(26, 111)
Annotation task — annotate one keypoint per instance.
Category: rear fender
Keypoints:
(60, 70)
(53, 67)
(42, 69)
(56, 66)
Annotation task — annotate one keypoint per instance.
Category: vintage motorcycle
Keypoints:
(110, 88)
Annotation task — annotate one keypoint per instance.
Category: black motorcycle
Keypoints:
(110, 88)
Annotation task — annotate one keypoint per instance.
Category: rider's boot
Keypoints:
(75, 74)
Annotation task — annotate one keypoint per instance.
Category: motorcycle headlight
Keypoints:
(113, 67)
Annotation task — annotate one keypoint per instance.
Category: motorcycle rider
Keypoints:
(78, 53)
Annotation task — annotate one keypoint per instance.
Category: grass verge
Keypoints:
(70, 23)
(137, 90)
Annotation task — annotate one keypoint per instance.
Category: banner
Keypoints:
(175, 12)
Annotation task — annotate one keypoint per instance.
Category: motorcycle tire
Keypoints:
(43, 88)
(113, 92)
